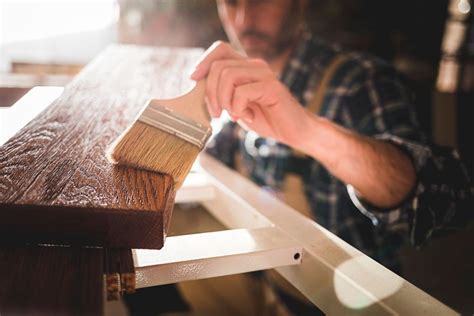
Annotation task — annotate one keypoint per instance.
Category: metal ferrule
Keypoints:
(176, 124)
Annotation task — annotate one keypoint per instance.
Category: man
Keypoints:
(369, 175)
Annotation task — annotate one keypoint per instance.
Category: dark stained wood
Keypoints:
(44, 280)
(56, 184)
(8, 96)
(119, 272)
(80, 225)
(54, 280)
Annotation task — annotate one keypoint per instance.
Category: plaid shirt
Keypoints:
(364, 95)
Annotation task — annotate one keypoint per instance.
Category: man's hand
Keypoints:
(251, 93)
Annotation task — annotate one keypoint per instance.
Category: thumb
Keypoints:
(248, 115)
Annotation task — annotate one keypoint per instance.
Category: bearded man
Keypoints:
(366, 168)
(336, 129)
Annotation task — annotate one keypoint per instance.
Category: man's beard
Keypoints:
(285, 39)
(274, 46)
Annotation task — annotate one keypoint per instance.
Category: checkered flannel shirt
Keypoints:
(364, 95)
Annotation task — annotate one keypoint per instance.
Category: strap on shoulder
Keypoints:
(315, 104)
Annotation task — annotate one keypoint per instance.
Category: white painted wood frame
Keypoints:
(266, 233)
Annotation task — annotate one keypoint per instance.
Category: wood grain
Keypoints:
(43, 280)
(56, 184)
(119, 272)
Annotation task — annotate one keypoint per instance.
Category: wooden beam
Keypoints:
(56, 185)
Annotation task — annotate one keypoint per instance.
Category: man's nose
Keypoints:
(244, 15)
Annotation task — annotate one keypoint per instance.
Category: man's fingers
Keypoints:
(262, 93)
(248, 115)
(226, 69)
(218, 50)
(213, 79)
(213, 112)
(233, 77)
(253, 118)
(225, 74)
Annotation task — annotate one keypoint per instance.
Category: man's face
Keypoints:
(263, 28)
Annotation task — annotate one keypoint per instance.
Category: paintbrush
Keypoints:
(167, 135)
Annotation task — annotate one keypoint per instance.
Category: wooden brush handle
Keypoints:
(192, 104)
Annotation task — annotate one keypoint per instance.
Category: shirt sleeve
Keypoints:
(442, 201)
(443, 198)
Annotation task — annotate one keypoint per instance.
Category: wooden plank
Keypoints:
(12, 80)
(119, 272)
(56, 166)
(15, 117)
(8, 96)
(44, 280)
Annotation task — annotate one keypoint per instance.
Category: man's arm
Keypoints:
(381, 165)
(380, 172)
(253, 96)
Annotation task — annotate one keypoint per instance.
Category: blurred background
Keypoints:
(430, 42)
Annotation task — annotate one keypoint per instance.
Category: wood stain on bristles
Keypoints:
(147, 147)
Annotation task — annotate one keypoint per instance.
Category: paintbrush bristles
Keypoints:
(146, 147)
